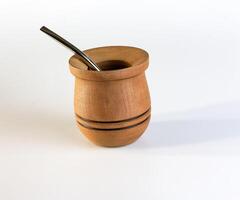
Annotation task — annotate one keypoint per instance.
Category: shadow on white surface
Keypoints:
(40, 129)
(182, 132)
(197, 126)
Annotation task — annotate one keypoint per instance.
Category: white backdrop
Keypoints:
(191, 149)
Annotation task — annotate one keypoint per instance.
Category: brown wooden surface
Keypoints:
(115, 138)
(112, 106)
(115, 124)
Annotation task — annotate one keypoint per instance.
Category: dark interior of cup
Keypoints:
(113, 65)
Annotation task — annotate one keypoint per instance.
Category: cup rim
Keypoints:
(137, 58)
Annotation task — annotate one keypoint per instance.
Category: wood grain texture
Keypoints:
(115, 138)
(115, 103)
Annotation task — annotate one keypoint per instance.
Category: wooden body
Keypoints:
(112, 107)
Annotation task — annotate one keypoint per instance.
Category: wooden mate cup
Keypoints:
(112, 106)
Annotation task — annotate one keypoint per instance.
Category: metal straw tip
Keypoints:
(43, 28)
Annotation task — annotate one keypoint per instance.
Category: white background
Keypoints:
(191, 149)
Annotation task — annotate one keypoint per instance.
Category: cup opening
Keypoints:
(116, 62)
(113, 65)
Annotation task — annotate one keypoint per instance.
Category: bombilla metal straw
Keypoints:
(84, 57)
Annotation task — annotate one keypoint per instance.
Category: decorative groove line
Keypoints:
(114, 129)
(124, 120)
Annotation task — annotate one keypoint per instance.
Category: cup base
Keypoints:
(114, 137)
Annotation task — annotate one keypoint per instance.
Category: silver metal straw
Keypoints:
(82, 55)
